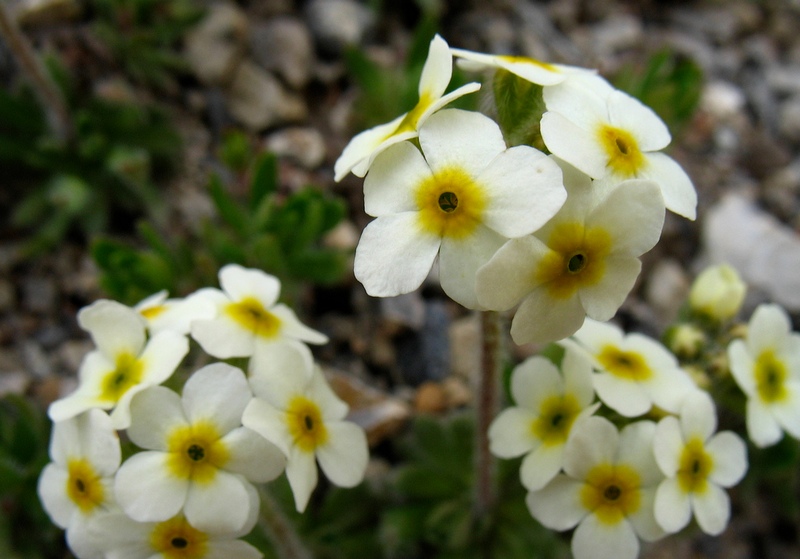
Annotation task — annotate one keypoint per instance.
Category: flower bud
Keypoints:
(717, 292)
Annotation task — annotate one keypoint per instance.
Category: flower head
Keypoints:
(718, 292)
(199, 457)
(248, 316)
(460, 199)
(583, 262)
(177, 315)
(607, 490)
(635, 372)
(530, 69)
(766, 366)
(548, 404)
(609, 135)
(295, 409)
(698, 463)
(78, 484)
(123, 364)
(362, 150)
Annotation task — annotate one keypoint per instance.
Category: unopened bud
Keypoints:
(717, 293)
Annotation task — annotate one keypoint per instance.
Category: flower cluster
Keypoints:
(559, 233)
(188, 491)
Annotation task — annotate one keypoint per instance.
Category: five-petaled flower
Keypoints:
(201, 457)
(296, 410)
(766, 365)
(460, 198)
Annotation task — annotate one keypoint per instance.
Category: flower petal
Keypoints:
(643, 519)
(668, 444)
(278, 376)
(673, 506)
(698, 416)
(510, 433)
(240, 283)
(320, 392)
(534, 380)
(541, 466)
(51, 489)
(729, 454)
(604, 298)
(464, 139)
(154, 413)
(291, 326)
(301, 471)
(145, 489)
(389, 186)
(633, 116)
(362, 146)
(162, 355)
(558, 504)
(577, 370)
(268, 422)
(344, 458)
(628, 398)
(573, 144)
(394, 256)
(217, 393)
(742, 367)
(636, 450)
(252, 456)
(223, 338)
(459, 261)
(438, 69)
(594, 440)
(114, 327)
(762, 428)
(508, 276)
(712, 509)
(594, 539)
(676, 186)
(225, 549)
(219, 506)
(542, 318)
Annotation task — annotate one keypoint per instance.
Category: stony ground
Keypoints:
(276, 69)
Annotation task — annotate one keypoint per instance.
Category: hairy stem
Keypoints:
(279, 529)
(46, 90)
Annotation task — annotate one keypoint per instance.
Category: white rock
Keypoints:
(305, 146)
(284, 45)
(257, 100)
(216, 46)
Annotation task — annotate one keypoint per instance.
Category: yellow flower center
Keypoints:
(557, 414)
(196, 452)
(251, 314)
(176, 539)
(84, 485)
(628, 365)
(411, 120)
(624, 156)
(151, 312)
(127, 373)
(611, 492)
(525, 60)
(576, 259)
(306, 427)
(770, 373)
(695, 466)
(450, 203)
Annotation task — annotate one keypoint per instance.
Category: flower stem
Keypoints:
(279, 529)
(485, 409)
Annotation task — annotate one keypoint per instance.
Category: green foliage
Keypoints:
(143, 35)
(107, 170)
(520, 107)
(25, 529)
(669, 83)
(269, 230)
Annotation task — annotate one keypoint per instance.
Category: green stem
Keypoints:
(279, 529)
(486, 407)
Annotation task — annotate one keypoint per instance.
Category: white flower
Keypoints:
(296, 410)
(122, 365)
(635, 372)
(718, 292)
(530, 69)
(78, 484)
(766, 365)
(583, 262)
(547, 406)
(123, 538)
(201, 456)
(608, 134)
(698, 464)
(248, 316)
(607, 490)
(460, 199)
(359, 154)
(177, 315)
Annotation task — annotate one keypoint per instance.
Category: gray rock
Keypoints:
(617, 32)
(722, 99)
(284, 45)
(40, 294)
(789, 119)
(306, 146)
(407, 309)
(667, 288)
(257, 100)
(338, 24)
(784, 79)
(8, 297)
(216, 47)
(35, 359)
(425, 355)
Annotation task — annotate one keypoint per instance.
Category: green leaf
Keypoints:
(230, 212)
(520, 107)
(265, 179)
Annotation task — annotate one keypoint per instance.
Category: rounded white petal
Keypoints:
(712, 509)
(580, 99)
(362, 146)
(508, 276)
(643, 519)
(219, 506)
(99, 441)
(162, 355)
(525, 190)
(558, 505)
(573, 144)
(344, 457)
(670, 387)
(673, 506)
(676, 186)
(394, 256)
(223, 338)
(636, 450)
(742, 367)
(81, 541)
(628, 398)
(121, 537)
(152, 301)
(788, 412)
(639, 120)
(217, 393)
(146, 490)
(437, 70)
(225, 549)
(268, 422)
(65, 441)
(51, 489)
(698, 415)
(633, 214)
(320, 392)
(445, 100)
(535, 380)
(291, 327)
(464, 139)
(592, 441)
(762, 427)
(277, 376)
(595, 335)
(74, 404)
(114, 327)
(768, 327)
(389, 186)
(301, 471)
(253, 456)
(510, 433)
(240, 283)
(154, 413)
(459, 261)
(542, 319)
(603, 299)
(541, 466)
(577, 370)
(729, 453)
(594, 539)
(668, 444)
